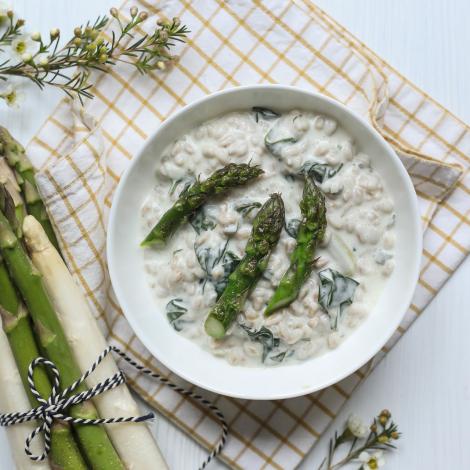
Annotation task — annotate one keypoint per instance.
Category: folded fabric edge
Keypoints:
(379, 103)
(351, 39)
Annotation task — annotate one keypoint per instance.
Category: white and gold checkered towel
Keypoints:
(82, 153)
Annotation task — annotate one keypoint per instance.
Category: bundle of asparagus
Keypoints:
(64, 348)
(17, 327)
(134, 442)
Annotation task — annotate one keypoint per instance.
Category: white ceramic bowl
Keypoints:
(187, 359)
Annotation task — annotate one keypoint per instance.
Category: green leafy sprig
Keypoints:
(47, 64)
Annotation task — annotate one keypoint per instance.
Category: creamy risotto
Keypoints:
(352, 263)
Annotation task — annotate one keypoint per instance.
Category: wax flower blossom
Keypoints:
(366, 446)
(68, 65)
(11, 95)
(374, 461)
(23, 46)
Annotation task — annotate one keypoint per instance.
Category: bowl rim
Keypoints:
(417, 234)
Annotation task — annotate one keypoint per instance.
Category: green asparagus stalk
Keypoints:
(16, 158)
(17, 327)
(265, 233)
(93, 439)
(310, 232)
(196, 195)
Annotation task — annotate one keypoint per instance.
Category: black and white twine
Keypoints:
(56, 405)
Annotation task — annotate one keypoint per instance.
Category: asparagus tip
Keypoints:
(35, 236)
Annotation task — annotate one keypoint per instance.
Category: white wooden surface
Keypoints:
(425, 380)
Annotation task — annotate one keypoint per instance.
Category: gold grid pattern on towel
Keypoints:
(236, 43)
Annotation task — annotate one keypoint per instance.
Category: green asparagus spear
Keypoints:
(265, 233)
(310, 232)
(93, 439)
(16, 158)
(196, 195)
(16, 324)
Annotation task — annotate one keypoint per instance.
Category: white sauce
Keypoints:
(359, 242)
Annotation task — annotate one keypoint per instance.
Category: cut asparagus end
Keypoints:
(214, 328)
(152, 240)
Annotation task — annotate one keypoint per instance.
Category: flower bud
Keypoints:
(55, 32)
(20, 22)
(26, 57)
(385, 413)
(373, 427)
(161, 65)
(77, 31)
(113, 12)
(143, 15)
(88, 30)
(103, 58)
(383, 420)
(93, 34)
(10, 13)
(163, 35)
(99, 40)
(44, 61)
(77, 42)
(395, 435)
(176, 21)
(162, 22)
(383, 439)
(36, 36)
(133, 11)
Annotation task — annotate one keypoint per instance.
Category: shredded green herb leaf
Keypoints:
(320, 172)
(335, 293)
(174, 311)
(278, 357)
(292, 227)
(208, 259)
(264, 113)
(188, 181)
(245, 209)
(265, 337)
(200, 222)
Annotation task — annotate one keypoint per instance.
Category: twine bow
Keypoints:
(54, 407)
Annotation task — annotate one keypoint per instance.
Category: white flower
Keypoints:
(357, 426)
(372, 461)
(23, 45)
(11, 95)
(36, 36)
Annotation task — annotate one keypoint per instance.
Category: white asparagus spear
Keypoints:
(133, 441)
(7, 176)
(14, 398)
